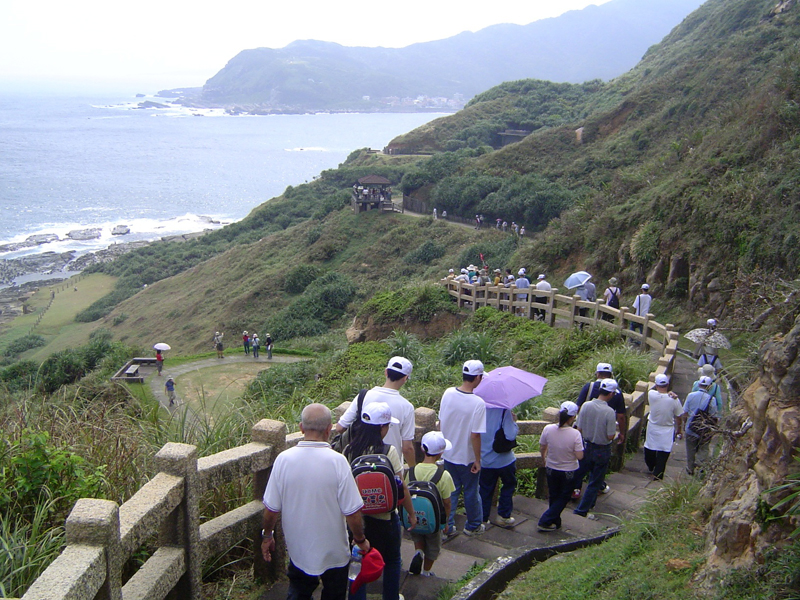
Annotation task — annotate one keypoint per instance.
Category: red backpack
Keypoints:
(376, 483)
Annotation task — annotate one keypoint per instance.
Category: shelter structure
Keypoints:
(373, 192)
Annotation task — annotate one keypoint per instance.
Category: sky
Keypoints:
(108, 44)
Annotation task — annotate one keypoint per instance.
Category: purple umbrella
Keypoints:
(506, 387)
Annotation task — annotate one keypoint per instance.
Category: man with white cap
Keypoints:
(462, 420)
(522, 282)
(715, 389)
(597, 423)
(544, 286)
(701, 400)
(428, 546)
(641, 306)
(400, 435)
(664, 425)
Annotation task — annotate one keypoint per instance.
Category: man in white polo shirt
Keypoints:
(312, 486)
(401, 435)
(462, 419)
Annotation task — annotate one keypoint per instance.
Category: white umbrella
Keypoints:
(161, 346)
(577, 279)
(708, 337)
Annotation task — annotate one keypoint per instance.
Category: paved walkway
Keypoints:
(629, 488)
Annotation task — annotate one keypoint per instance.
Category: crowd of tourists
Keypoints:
(480, 222)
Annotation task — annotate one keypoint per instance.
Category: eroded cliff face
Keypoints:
(757, 461)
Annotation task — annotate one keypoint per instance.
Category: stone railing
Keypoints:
(165, 513)
(553, 307)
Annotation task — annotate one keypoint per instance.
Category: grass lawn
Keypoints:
(214, 389)
(58, 326)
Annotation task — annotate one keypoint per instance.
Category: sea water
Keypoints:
(72, 163)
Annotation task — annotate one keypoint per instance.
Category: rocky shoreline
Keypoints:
(50, 264)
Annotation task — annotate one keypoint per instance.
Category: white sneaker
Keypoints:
(479, 531)
(506, 522)
(606, 489)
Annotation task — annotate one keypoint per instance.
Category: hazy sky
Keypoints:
(153, 45)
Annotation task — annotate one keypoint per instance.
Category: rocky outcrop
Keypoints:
(121, 230)
(367, 330)
(85, 234)
(756, 462)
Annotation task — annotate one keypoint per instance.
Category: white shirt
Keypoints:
(663, 408)
(402, 410)
(461, 414)
(312, 486)
(544, 286)
(641, 305)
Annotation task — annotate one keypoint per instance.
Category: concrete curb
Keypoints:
(494, 578)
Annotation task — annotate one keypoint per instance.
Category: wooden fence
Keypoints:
(102, 536)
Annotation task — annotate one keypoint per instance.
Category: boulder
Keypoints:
(121, 230)
(85, 234)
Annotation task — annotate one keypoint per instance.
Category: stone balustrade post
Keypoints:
(646, 330)
(597, 304)
(96, 523)
(573, 304)
(550, 319)
(270, 433)
(424, 421)
(623, 310)
(182, 527)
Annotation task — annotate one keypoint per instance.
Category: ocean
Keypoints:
(72, 163)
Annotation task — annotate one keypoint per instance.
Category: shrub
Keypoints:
(419, 303)
(461, 346)
(19, 376)
(298, 278)
(21, 344)
(426, 253)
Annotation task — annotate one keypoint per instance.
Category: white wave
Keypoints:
(308, 149)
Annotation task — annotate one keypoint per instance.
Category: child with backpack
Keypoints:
(428, 545)
(369, 457)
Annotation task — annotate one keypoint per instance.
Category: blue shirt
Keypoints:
(694, 402)
(489, 458)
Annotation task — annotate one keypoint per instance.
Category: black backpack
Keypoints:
(342, 440)
(501, 443)
(613, 302)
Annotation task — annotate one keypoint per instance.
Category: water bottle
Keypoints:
(355, 564)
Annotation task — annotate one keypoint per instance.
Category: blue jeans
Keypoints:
(385, 537)
(488, 481)
(468, 482)
(560, 485)
(302, 585)
(595, 463)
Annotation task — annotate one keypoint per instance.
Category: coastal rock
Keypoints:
(121, 230)
(85, 234)
(105, 255)
(42, 238)
(150, 104)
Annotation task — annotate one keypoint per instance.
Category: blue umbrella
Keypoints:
(506, 387)
(577, 279)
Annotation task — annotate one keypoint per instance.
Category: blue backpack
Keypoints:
(427, 503)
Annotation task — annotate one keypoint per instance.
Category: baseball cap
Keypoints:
(541, 276)
(433, 442)
(570, 407)
(705, 380)
(711, 322)
(497, 271)
(451, 271)
(522, 271)
(662, 380)
(473, 367)
(609, 385)
(604, 368)
(400, 364)
(377, 413)
(464, 271)
(371, 569)
(645, 286)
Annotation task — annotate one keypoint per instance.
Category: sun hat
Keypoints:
(609, 385)
(378, 413)
(570, 407)
(473, 367)
(705, 380)
(433, 442)
(662, 380)
(400, 364)
(371, 569)
(603, 368)
(645, 286)
(244, 333)
(464, 271)
(613, 281)
(707, 370)
(497, 271)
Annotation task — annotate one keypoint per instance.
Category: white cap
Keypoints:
(451, 271)
(662, 380)
(645, 286)
(473, 367)
(464, 271)
(377, 413)
(570, 407)
(604, 368)
(705, 380)
(521, 272)
(711, 322)
(400, 364)
(541, 276)
(433, 443)
(609, 385)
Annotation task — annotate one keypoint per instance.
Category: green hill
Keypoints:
(685, 174)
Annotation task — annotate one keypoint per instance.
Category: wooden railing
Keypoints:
(102, 536)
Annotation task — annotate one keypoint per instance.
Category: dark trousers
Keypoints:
(656, 461)
(488, 482)
(595, 463)
(385, 537)
(560, 485)
(302, 585)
